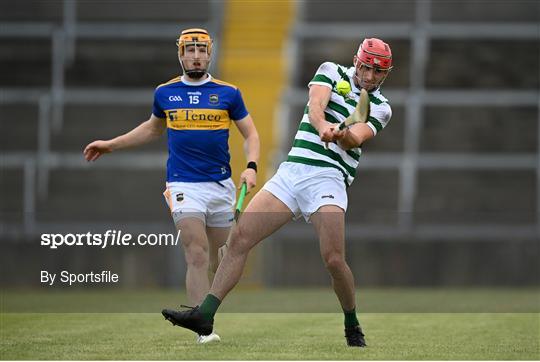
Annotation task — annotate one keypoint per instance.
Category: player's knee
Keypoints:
(239, 240)
(197, 256)
(334, 262)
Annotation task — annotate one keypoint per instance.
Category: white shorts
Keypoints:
(304, 188)
(208, 201)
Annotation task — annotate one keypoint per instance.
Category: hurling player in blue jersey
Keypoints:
(197, 111)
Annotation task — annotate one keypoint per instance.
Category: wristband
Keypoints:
(252, 165)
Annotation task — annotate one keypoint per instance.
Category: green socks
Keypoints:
(350, 318)
(209, 306)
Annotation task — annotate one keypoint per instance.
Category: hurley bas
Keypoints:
(105, 276)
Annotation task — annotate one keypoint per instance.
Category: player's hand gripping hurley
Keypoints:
(359, 115)
(237, 212)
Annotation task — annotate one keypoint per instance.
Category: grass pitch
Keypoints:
(268, 335)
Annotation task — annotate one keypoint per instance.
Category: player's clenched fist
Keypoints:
(330, 133)
(95, 149)
(249, 176)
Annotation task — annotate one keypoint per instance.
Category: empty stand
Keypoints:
(142, 11)
(124, 63)
(11, 187)
(483, 64)
(18, 127)
(366, 11)
(26, 63)
(375, 198)
(107, 196)
(32, 11)
(475, 197)
(85, 123)
(495, 130)
(455, 176)
(472, 11)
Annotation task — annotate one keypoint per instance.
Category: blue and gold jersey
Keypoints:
(198, 116)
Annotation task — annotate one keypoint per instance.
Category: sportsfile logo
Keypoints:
(108, 239)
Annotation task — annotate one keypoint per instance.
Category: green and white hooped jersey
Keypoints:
(307, 146)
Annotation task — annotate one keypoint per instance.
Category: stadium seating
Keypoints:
(28, 62)
(11, 187)
(451, 196)
(511, 130)
(124, 196)
(84, 123)
(21, 119)
(31, 10)
(123, 63)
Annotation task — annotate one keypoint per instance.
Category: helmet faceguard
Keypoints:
(376, 54)
(194, 37)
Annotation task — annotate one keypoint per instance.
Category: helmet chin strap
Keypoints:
(195, 73)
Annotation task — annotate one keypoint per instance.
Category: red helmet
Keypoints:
(374, 52)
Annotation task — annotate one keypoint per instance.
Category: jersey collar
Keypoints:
(201, 82)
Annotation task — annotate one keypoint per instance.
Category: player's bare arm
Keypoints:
(319, 96)
(252, 148)
(355, 136)
(147, 131)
